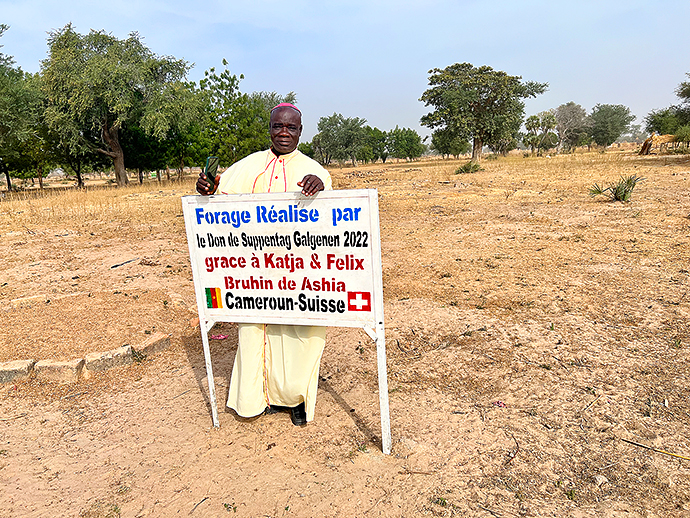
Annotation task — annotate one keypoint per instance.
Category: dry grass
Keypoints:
(99, 208)
(535, 326)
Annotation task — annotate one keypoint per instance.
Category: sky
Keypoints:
(371, 58)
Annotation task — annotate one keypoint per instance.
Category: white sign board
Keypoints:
(285, 258)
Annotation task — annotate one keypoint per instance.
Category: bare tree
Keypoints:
(571, 123)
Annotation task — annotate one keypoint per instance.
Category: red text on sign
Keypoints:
(349, 262)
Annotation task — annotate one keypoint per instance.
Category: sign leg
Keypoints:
(386, 441)
(209, 373)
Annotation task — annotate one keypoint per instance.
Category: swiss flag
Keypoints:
(358, 301)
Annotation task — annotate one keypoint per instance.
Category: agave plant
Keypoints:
(619, 191)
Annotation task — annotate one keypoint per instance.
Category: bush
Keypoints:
(620, 191)
(469, 167)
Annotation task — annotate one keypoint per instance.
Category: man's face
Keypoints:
(286, 128)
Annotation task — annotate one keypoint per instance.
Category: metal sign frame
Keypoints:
(372, 324)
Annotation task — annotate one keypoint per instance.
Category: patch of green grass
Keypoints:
(440, 501)
(469, 167)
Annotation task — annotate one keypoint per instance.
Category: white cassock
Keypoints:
(275, 364)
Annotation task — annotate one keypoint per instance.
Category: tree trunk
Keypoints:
(80, 180)
(158, 175)
(167, 172)
(141, 176)
(40, 177)
(7, 176)
(111, 138)
(476, 149)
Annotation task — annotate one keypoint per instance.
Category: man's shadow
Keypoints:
(223, 356)
(350, 411)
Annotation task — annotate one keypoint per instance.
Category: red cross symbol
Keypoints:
(358, 301)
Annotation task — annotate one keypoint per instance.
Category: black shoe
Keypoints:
(271, 410)
(298, 415)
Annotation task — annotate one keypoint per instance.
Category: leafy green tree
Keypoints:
(236, 123)
(325, 142)
(306, 148)
(378, 141)
(504, 144)
(96, 83)
(683, 135)
(609, 121)
(669, 120)
(352, 137)
(339, 138)
(666, 121)
(446, 143)
(20, 111)
(405, 143)
(477, 103)
(143, 152)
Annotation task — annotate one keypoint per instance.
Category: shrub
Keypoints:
(469, 167)
(620, 191)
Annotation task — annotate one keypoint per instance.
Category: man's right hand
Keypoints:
(204, 187)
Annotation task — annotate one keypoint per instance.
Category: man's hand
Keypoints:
(204, 187)
(311, 184)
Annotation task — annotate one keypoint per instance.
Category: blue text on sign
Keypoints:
(347, 214)
(234, 218)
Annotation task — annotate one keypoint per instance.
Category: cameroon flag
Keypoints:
(213, 298)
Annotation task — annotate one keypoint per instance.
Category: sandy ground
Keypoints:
(531, 332)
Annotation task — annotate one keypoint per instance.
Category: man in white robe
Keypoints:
(275, 365)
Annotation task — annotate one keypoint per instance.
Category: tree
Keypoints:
(405, 143)
(306, 148)
(237, 124)
(378, 140)
(352, 136)
(609, 121)
(670, 120)
(683, 91)
(143, 152)
(325, 142)
(667, 120)
(339, 138)
(20, 105)
(683, 135)
(571, 124)
(446, 143)
(96, 83)
(539, 131)
(481, 103)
